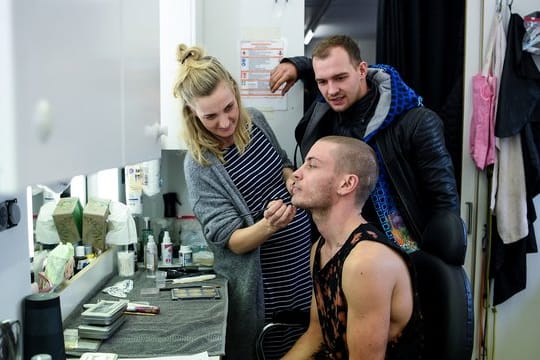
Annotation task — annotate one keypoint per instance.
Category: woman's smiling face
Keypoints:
(219, 113)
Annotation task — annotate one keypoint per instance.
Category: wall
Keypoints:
(368, 48)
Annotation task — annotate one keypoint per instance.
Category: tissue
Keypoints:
(45, 228)
(121, 226)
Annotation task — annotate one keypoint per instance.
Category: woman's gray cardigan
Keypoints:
(217, 204)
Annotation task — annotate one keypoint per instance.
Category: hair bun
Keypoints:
(184, 52)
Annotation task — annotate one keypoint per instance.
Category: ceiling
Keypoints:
(356, 18)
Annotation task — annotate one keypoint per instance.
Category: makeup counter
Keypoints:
(191, 318)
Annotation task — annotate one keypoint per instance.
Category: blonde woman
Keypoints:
(239, 181)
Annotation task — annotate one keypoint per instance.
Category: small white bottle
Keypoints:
(166, 249)
(185, 255)
(150, 256)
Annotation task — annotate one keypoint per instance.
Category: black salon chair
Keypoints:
(445, 290)
(284, 320)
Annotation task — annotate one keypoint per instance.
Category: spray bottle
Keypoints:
(166, 249)
(150, 257)
(162, 224)
(146, 232)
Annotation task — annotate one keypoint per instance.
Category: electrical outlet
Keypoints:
(3, 216)
(10, 214)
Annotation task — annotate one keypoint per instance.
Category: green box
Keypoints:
(67, 217)
(94, 228)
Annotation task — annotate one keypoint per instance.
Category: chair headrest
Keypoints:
(445, 236)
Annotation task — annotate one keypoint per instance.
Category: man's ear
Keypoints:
(348, 184)
(362, 68)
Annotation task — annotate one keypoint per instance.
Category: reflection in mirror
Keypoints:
(46, 241)
(41, 197)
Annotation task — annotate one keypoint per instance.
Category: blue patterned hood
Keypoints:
(396, 97)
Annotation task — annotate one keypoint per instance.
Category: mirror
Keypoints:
(42, 200)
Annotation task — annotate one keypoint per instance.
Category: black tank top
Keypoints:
(332, 304)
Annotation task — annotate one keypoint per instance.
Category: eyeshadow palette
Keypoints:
(104, 312)
(195, 292)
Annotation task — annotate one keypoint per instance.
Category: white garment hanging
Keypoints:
(508, 193)
(511, 204)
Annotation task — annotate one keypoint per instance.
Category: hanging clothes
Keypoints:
(508, 201)
(517, 120)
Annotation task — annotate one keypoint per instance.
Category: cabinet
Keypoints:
(142, 130)
(80, 87)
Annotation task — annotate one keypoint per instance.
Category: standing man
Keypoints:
(363, 304)
(374, 104)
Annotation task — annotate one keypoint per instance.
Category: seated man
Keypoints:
(364, 303)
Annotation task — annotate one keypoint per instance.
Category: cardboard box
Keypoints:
(67, 217)
(94, 227)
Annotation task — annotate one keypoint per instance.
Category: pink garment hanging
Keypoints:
(482, 131)
(484, 90)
